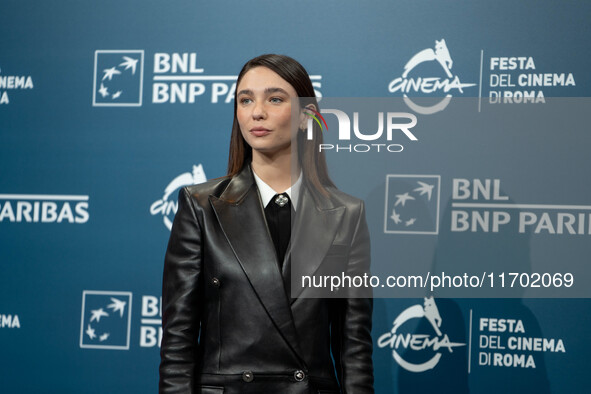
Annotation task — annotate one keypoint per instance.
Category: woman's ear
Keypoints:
(305, 115)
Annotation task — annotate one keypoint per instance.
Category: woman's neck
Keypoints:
(275, 171)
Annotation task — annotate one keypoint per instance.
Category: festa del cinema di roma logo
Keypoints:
(167, 207)
(429, 85)
(418, 342)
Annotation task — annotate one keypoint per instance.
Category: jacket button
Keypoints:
(299, 375)
(247, 376)
(215, 282)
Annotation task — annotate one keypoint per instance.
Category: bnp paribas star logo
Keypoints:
(106, 319)
(118, 78)
(412, 204)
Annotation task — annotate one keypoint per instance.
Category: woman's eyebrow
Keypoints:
(267, 91)
(245, 91)
(275, 90)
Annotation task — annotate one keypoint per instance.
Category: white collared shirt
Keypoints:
(266, 192)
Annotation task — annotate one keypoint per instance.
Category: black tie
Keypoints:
(278, 215)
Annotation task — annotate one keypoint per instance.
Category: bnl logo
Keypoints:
(118, 78)
(106, 319)
(412, 204)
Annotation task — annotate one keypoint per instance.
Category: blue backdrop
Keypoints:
(107, 108)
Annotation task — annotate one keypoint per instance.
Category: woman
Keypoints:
(231, 323)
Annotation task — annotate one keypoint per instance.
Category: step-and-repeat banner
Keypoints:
(475, 182)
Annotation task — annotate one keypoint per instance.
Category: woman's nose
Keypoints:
(258, 112)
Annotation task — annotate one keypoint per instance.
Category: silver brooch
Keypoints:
(281, 200)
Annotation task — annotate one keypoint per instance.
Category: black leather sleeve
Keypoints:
(180, 306)
(351, 340)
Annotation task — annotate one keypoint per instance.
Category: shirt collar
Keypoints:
(266, 192)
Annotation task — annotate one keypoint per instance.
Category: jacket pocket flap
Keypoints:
(211, 390)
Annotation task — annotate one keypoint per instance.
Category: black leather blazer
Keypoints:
(229, 323)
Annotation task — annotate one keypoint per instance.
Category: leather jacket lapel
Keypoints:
(317, 221)
(242, 219)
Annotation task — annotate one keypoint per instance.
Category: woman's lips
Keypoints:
(259, 131)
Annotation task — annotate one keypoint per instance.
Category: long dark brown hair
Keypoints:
(312, 162)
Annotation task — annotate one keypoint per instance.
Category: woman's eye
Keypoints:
(276, 100)
(245, 100)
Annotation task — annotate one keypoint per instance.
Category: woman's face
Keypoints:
(263, 110)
